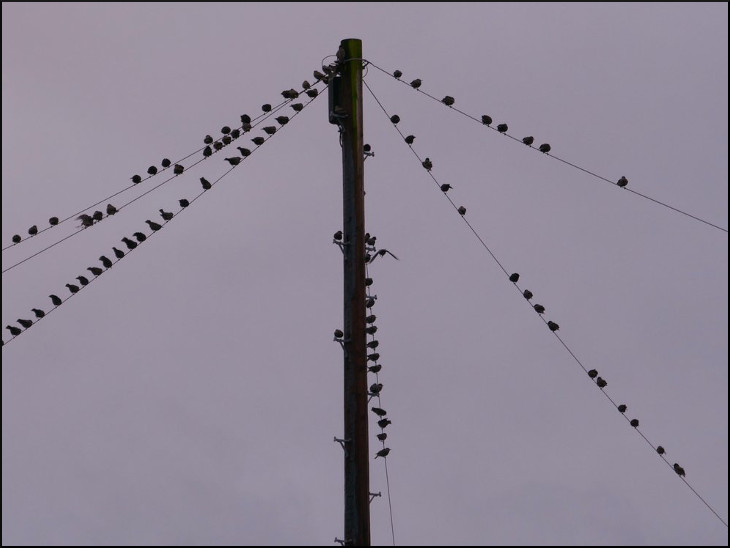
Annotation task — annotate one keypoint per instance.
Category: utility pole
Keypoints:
(346, 111)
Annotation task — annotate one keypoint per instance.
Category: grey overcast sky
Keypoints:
(190, 394)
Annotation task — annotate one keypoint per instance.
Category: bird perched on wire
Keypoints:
(227, 139)
(207, 151)
(234, 161)
(660, 450)
(502, 128)
(379, 412)
(25, 323)
(601, 382)
(382, 436)
(381, 253)
(448, 100)
(86, 220)
(95, 270)
(528, 140)
(72, 288)
(258, 141)
(384, 422)
(410, 139)
(635, 423)
(678, 469)
(383, 452)
(152, 170)
(131, 244)
(118, 253)
(297, 106)
(56, 300)
(397, 73)
(236, 133)
(98, 215)
(270, 130)
(427, 164)
(139, 236)
(622, 408)
(16, 238)
(544, 148)
(514, 278)
(217, 145)
(266, 107)
(183, 202)
(312, 93)
(376, 388)
(166, 215)
(33, 230)
(14, 331)
(153, 225)
(110, 209)
(622, 182)
(395, 118)
(369, 303)
(283, 120)
(106, 261)
(370, 319)
(306, 85)
(446, 188)
(593, 373)
(540, 309)
(136, 179)
(82, 280)
(38, 312)
(486, 120)
(527, 294)
(462, 210)
(53, 221)
(205, 183)
(166, 162)
(375, 368)
(373, 357)
(368, 281)
(318, 75)
(373, 344)
(371, 330)
(207, 139)
(178, 169)
(415, 84)
(245, 119)
(290, 94)
(553, 326)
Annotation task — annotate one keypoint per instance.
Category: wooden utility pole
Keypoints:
(346, 111)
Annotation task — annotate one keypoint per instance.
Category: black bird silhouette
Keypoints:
(375, 368)
(270, 130)
(178, 169)
(110, 209)
(25, 323)
(225, 130)
(72, 288)
(106, 261)
(166, 215)
(118, 253)
(446, 188)
(82, 280)
(370, 241)
(528, 140)
(635, 423)
(244, 151)
(384, 422)
(318, 75)
(86, 220)
(95, 270)
(373, 357)
(373, 344)
(622, 182)
(245, 119)
(312, 93)
(165, 162)
(427, 164)
(660, 450)
(153, 225)
(369, 303)
(266, 107)
(258, 140)
(371, 330)
(338, 235)
(339, 334)
(397, 74)
(368, 281)
(283, 120)
(622, 408)
(462, 210)
(207, 151)
(486, 120)
(370, 319)
(514, 277)
(136, 179)
(383, 452)
(33, 230)
(502, 128)
(306, 85)
(140, 237)
(678, 469)
(208, 139)
(376, 388)
(14, 331)
(527, 294)
(544, 148)
(410, 139)
(379, 412)
(289, 94)
(553, 326)
(131, 244)
(98, 215)
(56, 300)
(593, 373)
(540, 309)
(16, 238)
(227, 139)
(217, 145)
(152, 170)
(297, 106)
(601, 382)
(382, 436)
(183, 202)
(415, 84)
(53, 221)
(448, 100)
(236, 133)
(205, 183)
(234, 161)
(395, 118)
(38, 313)
(381, 253)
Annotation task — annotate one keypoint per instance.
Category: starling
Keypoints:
(208, 139)
(368, 281)
(446, 188)
(165, 162)
(136, 179)
(110, 209)
(340, 54)
(427, 164)
(678, 469)
(371, 330)
(379, 412)
(373, 357)
(207, 151)
(152, 170)
(178, 169)
(95, 270)
(486, 120)
(376, 388)
(370, 319)
(635, 423)
(106, 261)
(502, 128)
(306, 85)
(118, 253)
(375, 368)
(293, 94)
(286, 94)
(266, 107)
(55, 300)
(14, 331)
(528, 140)
(82, 280)
(86, 220)
(236, 133)
(622, 182)
(410, 139)
(140, 237)
(397, 74)
(297, 106)
(448, 100)
(225, 130)
(283, 120)
(25, 323)
(416, 83)
(53, 221)
(553, 326)
(339, 334)
(369, 303)
(622, 408)
(527, 294)
(98, 215)
(16, 238)
(327, 69)
(601, 383)
(381, 253)
(205, 183)
(72, 288)
(370, 240)
(383, 452)
(544, 148)
(367, 148)
(258, 141)
(338, 235)
(593, 373)
(38, 313)
(312, 93)
(33, 230)
(373, 344)
(131, 244)
(217, 145)
(382, 436)
(245, 119)
(395, 118)
(183, 202)
(462, 210)
(270, 130)
(540, 309)
(318, 75)
(234, 161)
(384, 422)
(166, 215)
(660, 450)
(514, 277)
(227, 139)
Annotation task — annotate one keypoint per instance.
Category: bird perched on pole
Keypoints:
(382, 453)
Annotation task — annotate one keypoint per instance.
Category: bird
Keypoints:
(528, 140)
(306, 85)
(234, 161)
(118, 253)
(660, 450)
(106, 261)
(544, 148)
(183, 202)
(381, 253)
(395, 118)
(178, 169)
(486, 120)
(397, 73)
(131, 244)
(98, 215)
(245, 119)
(368, 281)
(340, 54)
(622, 408)
(337, 235)
(373, 357)
(227, 139)
(110, 209)
(383, 452)
(95, 270)
(16, 238)
(140, 237)
(258, 141)
(290, 94)
(33, 230)
(462, 210)
(369, 303)
(382, 436)
(207, 151)
(266, 107)
(514, 277)
(166, 215)
(152, 170)
(205, 183)
(601, 382)
(622, 182)
(153, 225)
(318, 75)
(72, 288)
(527, 294)
(53, 221)
(384, 422)
(82, 280)
(312, 93)
(553, 326)
(236, 133)
(283, 120)
(593, 373)
(38, 312)
(376, 388)
(25, 323)
(410, 139)
(297, 106)
(270, 130)
(415, 84)
(502, 128)
(635, 423)
(678, 469)
(207, 139)
(217, 145)
(373, 344)
(540, 309)
(56, 300)
(225, 130)
(370, 241)
(448, 100)
(14, 331)
(339, 334)
(446, 188)
(165, 162)
(427, 164)
(86, 220)
(379, 412)
(136, 179)
(370, 319)
(371, 330)
(375, 368)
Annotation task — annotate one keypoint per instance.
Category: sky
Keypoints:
(191, 394)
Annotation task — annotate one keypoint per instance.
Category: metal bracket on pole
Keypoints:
(343, 542)
(342, 443)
